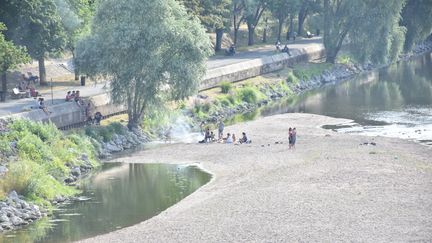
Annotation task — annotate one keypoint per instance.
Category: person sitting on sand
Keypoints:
(244, 138)
(234, 138)
(229, 138)
(212, 137)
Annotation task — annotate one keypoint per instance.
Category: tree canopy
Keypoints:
(152, 50)
(10, 57)
(36, 25)
(369, 28)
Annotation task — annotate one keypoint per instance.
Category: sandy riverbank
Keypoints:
(329, 189)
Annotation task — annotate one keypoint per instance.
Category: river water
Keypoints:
(395, 101)
(120, 195)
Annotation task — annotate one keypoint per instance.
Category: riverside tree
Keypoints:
(417, 18)
(215, 15)
(253, 10)
(151, 50)
(36, 25)
(10, 56)
(75, 18)
(372, 28)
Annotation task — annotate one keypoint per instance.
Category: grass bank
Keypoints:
(39, 157)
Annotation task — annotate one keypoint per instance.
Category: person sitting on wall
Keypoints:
(278, 45)
(286, 50)
(33, 91)
(68, 96)
(231, 51)
(77, 96)
(43, 107)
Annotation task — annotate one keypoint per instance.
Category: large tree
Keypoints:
(75, 17)
(36, 25)
(280, 10)
(253, 10)
(10, 57)
(152, 51)
(417, 18)
(215, 15)
(307, 7)
(369, 28)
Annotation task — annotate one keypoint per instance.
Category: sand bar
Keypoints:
(329, 189)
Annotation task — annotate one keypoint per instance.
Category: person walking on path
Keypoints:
(221, 127)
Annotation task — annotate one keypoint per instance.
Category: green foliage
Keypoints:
(34, 24)
(249, 94)
(151, 58)
(306, 72)
(43, 156)
(104, 133)
(367, 40)
(344, 59)
(292, 78)
(225, 87)
(417, 18)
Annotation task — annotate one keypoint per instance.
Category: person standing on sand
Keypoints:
(290, 136)
(221, 127)
(294, 137)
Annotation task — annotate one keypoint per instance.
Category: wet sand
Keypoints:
(330, 188)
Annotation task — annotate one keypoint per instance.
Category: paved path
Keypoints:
(21, 105)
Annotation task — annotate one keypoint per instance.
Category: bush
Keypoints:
(292, 78)
(43, 156)
(225, 87)
(249, 94)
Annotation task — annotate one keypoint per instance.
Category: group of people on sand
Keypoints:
(209, 136)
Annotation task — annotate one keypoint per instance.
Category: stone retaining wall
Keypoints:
(248, 69)
(68, 114)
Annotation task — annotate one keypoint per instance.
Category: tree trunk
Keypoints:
(280, 28)
(4, 87)
(251, 32)
(264, 40)
(42, 71)
(301, 19)
(219, 35)
(76, 71)
(134, 121)
(235, 35)
(290, 29)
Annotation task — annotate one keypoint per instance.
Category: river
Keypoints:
(395, 101)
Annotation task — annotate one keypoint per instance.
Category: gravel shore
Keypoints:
(331, 188)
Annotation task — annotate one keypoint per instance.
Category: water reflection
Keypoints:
(394, 101)
(120, 196)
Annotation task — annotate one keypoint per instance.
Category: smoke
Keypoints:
(180, 131)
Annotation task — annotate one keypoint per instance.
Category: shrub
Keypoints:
(292, 78)
(225, 87)
(43, 153)
(249, 94)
